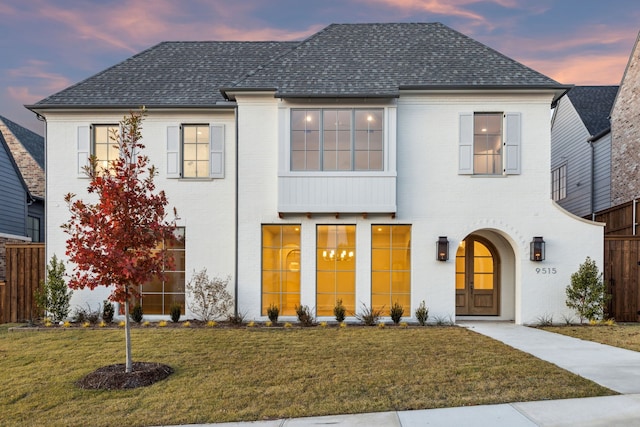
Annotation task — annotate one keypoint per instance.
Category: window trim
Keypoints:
(175, 151)
(562, 178)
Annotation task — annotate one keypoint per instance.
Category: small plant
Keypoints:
(268, 323)
(422, 314)
(186, 324)
(304, 315)
(251, 324)
(108, 311)
(443, 320)
(288, 325)
(587, 293)
(146, 323)
(545, 320)
(273, 312)
(48, 323)
(102, 324)
(323, 324)
(175, 311)
(121, 324)
(66, 324)
(237, 319)
(137, 313)
(88, 314)
(369, 315)
(343, 325)
(86, 324)
(568, 320)
(53, 296)
(381, 325)
(404, 325)
(162, 324)
(209, 298)
(339, 311)
(396, 312)
(212, 323)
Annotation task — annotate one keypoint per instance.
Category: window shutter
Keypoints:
(173, 152)
(216, 146)
(465, 144)
(512, 143)
(84, 149)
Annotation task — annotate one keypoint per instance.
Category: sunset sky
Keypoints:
(49, 45)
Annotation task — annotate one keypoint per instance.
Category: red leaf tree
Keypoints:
(114, 242)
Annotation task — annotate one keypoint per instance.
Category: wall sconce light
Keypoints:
(536, 249)
(442, 248)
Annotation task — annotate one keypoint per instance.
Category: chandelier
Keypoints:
(332, 255)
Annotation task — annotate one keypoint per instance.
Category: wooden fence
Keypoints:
(622, 276)
(621, 220)
(25, 270)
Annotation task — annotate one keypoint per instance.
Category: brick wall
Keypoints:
(625, 131)
(29, 168)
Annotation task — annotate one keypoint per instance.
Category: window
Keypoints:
(336, 268)
(104, 147)
(195, 151)
(391, 266)
(337, 139)
(559, 183)
(281, 268)
(489, 143)
(33, 228)
(158, 295)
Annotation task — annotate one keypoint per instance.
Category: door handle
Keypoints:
(471, 286)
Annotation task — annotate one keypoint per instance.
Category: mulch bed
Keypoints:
(114, 377)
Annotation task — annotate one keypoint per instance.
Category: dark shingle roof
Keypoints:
(170, 73)
(31, 141)
(380, 59)
(370, 60)
(593, 104)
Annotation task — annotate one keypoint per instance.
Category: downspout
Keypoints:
(635, 223)
(235, 275)
(593, 183)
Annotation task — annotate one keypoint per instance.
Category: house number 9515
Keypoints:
(545, 270)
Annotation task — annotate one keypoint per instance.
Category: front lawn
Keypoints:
(623, 335)
(226, 374)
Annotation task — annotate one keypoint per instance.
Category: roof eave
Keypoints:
(221, 104)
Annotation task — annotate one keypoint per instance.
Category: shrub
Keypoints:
(53, 296)
(136, 313)
(209, 298)
(422, 314)
(273, 312)
(587, 294)
(81, 315)
(108, 311)
(396, 312)
(175, 312)
(304, 315)
(237, 319)
(339, 311)
(369, 315)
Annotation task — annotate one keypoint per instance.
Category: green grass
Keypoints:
(624, 335)
(264, 373)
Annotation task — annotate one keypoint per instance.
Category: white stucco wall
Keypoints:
(436, 201)
(205, 206)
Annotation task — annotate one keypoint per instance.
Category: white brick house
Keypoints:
(328, 169)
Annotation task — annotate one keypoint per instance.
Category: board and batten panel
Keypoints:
(602, 173)
(13, 197)
(353, 194)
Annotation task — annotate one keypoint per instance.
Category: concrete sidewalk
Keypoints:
(612, 367)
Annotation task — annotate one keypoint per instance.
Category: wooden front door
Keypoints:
(477, 278)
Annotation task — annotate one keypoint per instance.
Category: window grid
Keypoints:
(391, 266)
(195, 151)
(281, 268)
(559, 183)
(335, 268)
(487, 144)
(337, 139)
(105, 147)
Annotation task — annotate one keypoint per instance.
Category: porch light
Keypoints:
(442, 248)
(536, 249)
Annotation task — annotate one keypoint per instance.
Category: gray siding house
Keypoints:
(21, 187)
(581, 150)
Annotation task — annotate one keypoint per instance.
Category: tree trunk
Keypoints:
(127, 338)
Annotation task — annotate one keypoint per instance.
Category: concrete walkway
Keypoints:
(612, 367)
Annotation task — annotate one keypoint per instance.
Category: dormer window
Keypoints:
(327, 139)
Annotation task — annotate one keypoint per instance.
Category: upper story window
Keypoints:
(104, 146)
(195, 151)
(328, 139)
(489, 143)
(559, 183)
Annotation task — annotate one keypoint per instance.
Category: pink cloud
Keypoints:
(583, 70)
(42, 82)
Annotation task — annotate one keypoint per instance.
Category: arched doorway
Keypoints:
(477, 278)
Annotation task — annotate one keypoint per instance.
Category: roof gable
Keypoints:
(31, 141)
(381, 59)
(593, 104)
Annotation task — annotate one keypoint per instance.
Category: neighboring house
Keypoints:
(369, 163)
(581, 150)
(22, 187)
(625, 129)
